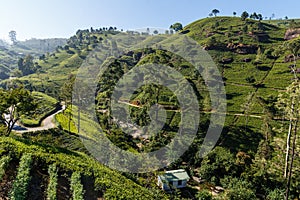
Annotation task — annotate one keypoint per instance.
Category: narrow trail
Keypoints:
(201, 111)
(136, 133)
(46, 124)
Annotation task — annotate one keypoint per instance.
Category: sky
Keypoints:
(62, 18)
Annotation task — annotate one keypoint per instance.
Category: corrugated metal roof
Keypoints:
(174, 175)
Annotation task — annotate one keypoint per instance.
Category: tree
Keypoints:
(234, 13)
(217, 164)
(273, 16)
(13, 36)
(155, 32)
(244, 15)
(66, 95)
(293, 46)
(289, 103)
(176, 27)
(239, 189)
(15, 103)
(254, 16)
(276, 194)
(204, 195)
(215, 12)
(26, 65)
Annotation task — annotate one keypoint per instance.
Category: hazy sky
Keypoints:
(62, 18)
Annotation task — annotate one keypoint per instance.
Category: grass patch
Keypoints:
(65, 122)
(45, 105)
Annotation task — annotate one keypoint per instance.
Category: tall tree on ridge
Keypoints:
(244, 15)
(215, 12)
(13, 36)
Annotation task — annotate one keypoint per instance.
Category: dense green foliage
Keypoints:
(4, 161)
(20, 185)
(204, 195)
(65, 122)
(76, 186)
(52, 185)
(56, 138)
(15, 102)
(107, 181)
(44, 105)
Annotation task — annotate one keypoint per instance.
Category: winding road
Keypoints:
(46, 124)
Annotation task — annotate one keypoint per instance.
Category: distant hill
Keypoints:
(10, 54)
(8, 61)
(41, 46)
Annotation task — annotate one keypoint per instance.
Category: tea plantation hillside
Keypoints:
(257, 61)
(28, 170)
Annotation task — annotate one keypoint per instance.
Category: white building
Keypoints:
(173, 179)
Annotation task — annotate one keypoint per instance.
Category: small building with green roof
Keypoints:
(173, 179)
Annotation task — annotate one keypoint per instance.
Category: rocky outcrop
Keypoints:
(226, 60)
(297, 71)
(237, 48)
(242, 48)
(292, 33)
(290, 58)
(246, 60)
(210, 34)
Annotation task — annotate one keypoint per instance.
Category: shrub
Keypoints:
(276, 194)
(52, 186)
(250, 79)
(3, 165)
(239, 189)
(204, 195)
(19, 188)
(76, 186)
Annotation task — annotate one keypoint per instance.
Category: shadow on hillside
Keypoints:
(38, 182)
(49, 148)
(57, 138)
(227, 67)
(232, 95)
(263, 68)
(278, 39)
(63, 188)
(284, 72)
(90, 191)
(240, 138)
(8, 178)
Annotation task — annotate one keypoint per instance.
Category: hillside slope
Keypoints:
(255, 63)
